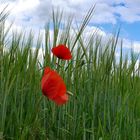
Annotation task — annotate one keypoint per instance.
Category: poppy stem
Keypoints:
(58, 65)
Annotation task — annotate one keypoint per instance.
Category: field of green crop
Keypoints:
(105, 104)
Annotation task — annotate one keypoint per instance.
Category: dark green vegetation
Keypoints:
(106, 100)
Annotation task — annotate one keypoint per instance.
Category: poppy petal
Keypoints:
(62, 52)
(53, 86)
(60, 100)
(47, 70)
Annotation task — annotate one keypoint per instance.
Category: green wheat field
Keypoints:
(105, 104)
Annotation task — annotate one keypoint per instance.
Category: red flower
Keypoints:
(62, 52)
(54, 87)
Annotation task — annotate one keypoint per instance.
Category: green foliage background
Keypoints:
(106, 94)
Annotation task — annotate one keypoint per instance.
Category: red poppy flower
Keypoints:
(54, 87)
(62, 52)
